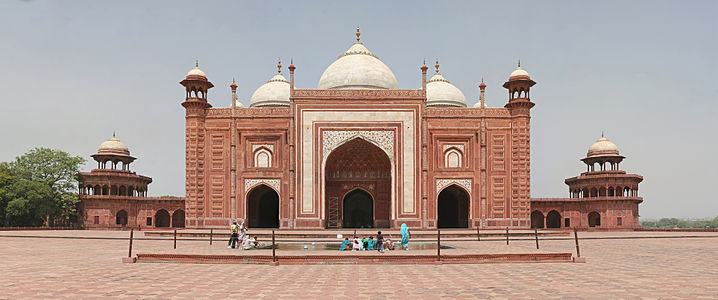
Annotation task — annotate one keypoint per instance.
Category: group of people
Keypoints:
(239, 237)
(370, 244)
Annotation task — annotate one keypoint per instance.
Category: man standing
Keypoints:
(380, 242)
(233, 237)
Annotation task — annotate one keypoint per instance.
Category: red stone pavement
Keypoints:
(625, 266)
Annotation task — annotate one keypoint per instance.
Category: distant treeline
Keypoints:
(670, 223)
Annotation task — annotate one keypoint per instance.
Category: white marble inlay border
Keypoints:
(332, 139)
(273, 183)
(442, 183)
(268, 146)
(460, 147)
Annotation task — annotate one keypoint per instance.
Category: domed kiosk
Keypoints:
(112, 196)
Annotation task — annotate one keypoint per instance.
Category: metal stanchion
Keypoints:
(438, 244)
(478, 234)
(211, 231)
(132, 233)
(536, 233)
(175, 239)
(507, 235)
(575, 236)
(274, 254)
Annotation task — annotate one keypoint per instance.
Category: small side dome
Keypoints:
(602, 147)
(113, 146)
(478, 105)
(519, 72)
(440, 92)
(274, 92)
(358, 68)
(196, 72)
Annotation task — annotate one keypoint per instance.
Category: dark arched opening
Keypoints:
(121, 218)
(263, 207)
(162, 218)
(453, 208)
(358, 210)
(358, 164)
(178, 218)
(536, 219)
(553, 219)
(594, 219)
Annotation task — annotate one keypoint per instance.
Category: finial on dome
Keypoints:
(196, 63)
(358, 34)
(602, 133)
(437, 66)
(233, 82)
(113, 134)
(279, 66)
(519, 63)
(482, 79)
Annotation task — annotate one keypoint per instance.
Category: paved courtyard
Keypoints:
(77, 265)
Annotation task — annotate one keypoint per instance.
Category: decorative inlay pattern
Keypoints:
(442, 183)
(268, 146)
(460, 147)
(250, 183)
(331, 139)
(448, 112)
(386, 94)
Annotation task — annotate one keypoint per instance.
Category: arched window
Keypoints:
(585, 193)
(594, 192)
(453, 158)
(262, 158)
(123, 191)
(602, 192)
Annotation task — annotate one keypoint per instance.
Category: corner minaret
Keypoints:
(519, 107)
(519, 86)
(196, 87)
(196, 106)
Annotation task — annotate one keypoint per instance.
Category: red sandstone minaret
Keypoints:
(196, 105)
(519, 107)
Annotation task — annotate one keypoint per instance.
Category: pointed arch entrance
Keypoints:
(121, 218)
(453, 208)
(262, 207)
(553, 219)
(537, 219)
(358, 186)
(358, 210)
(594, 219)
(162, 218)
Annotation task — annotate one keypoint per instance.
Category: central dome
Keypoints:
(358, 68)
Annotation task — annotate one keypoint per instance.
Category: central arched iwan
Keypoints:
(358, 164)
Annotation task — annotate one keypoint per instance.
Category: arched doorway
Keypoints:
(178, 218)
(594, 219)
(358, 173)
(263, 207)
(358, 210)
(553, 219)
(536, 219)
(162, 218)
(121, 218)
(453, 208)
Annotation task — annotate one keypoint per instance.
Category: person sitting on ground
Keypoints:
(344, 245)
(253, 242)
(365, 244)
(370, 243)
(389, 244)
(356, 245)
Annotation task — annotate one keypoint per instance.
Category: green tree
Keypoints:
(45, 185)
(6, 180)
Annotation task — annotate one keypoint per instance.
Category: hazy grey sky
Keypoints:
(642, 71)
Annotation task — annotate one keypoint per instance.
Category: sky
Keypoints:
(74, 72)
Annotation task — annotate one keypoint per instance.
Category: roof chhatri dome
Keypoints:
(440, 92)
(358, 68)
(196, 71)
(113, 146)
(602, 147)
(274, 92)
(519, 72)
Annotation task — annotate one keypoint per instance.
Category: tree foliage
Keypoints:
(671, 223)
(39, 186)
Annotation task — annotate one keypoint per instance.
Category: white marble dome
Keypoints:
(519, 72)
(113, 145)
(358, 68)
(440, 92)
(478, 105)
(602, 146)
(274, 92)
(196, 71)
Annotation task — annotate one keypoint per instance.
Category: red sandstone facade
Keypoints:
(112, 196)
(339, 157)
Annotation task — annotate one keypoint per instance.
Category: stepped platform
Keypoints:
(330, 235)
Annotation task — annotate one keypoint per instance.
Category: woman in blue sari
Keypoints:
(405, 236)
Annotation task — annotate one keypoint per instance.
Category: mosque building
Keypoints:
(358, 152)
